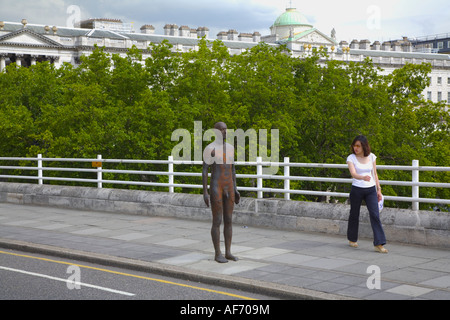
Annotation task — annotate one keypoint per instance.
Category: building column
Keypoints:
(33, 59)
(19, 60)
(54, 60)
(2, 61)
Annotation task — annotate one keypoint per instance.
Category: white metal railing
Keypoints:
(99, 163)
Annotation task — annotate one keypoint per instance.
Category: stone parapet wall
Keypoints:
(405, 226)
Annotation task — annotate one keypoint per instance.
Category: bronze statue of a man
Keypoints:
(219, 155)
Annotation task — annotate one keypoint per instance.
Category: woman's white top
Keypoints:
(364, 170)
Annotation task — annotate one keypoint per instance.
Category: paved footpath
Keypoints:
(292, 265)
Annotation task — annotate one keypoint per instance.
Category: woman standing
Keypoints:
(365, 186)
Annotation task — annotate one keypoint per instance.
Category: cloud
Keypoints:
(38, 11)
(351, 18)
(219, 14)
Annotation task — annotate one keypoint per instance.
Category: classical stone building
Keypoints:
(25, 44)
(439, 43)
(292, 28)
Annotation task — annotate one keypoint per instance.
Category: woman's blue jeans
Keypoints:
(357, 195)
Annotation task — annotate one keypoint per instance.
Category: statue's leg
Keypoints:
(217, 213)
(228, 207)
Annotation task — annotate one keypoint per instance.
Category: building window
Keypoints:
(448, 79)
(440, 45)
(439, 80)
(439, 97)
(429, 95)
(448, 97)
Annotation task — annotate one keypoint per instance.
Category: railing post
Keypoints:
(287, 184)
(259, 181)
(171, 180)
(99, 173)
(415, 189)
(40, 171)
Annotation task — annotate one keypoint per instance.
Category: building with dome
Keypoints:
(26, 44)
(292, 28)
(290, 23)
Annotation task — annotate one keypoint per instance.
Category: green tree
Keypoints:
(201, 94)
(122, 107)
(262, 92)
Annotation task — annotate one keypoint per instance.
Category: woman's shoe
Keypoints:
(353, 244)
(381, 249)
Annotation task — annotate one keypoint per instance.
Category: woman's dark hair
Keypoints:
(364, 143)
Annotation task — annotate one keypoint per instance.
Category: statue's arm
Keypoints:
(237, 195)
(205, 183)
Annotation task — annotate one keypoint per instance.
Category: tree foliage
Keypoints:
(125, 108)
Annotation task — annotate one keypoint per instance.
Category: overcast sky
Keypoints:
(352, 19)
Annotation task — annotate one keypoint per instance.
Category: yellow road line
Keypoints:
(129, 275)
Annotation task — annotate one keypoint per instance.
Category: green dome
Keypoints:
(291, 17)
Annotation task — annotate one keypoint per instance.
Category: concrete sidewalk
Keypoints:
(291, 265)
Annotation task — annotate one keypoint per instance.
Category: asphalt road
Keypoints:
(25, 276)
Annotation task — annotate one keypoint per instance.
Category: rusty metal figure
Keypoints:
(223, 191)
